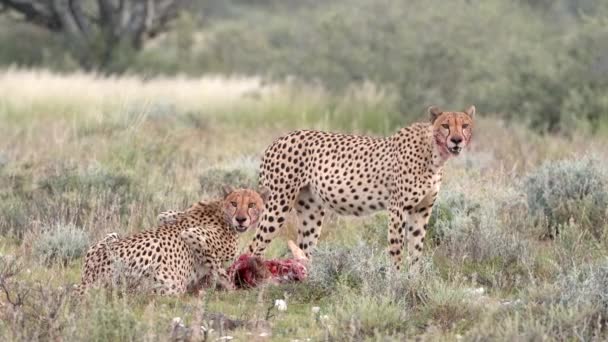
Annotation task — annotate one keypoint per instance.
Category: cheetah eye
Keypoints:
(465, 126)
(234, 204)
(251, 205)
(446, 126)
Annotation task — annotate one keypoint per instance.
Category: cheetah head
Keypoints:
(452, 130)
(243, 207)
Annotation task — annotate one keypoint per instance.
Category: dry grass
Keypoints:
(108, 154)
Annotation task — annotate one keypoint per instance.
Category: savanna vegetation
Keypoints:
(518, 244)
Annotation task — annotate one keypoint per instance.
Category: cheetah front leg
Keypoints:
(277, 207)
(206, 256)
(396, 235)
(418, 219)
(218, 273)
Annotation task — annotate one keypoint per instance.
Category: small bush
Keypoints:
(242, 173)
(61, 243)
(374, 230)
(350, 266)
(575, 307)
(89, 182)
(368, 270)
(585, 288)
(569, 189)
(112, 320)
(470, 229)
(476, 236)
(452, 209)
(358, 316)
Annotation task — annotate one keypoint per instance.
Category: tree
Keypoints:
(98, 31)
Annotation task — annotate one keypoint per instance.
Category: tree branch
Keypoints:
(128, 21)
(80, 17)
(39, 13)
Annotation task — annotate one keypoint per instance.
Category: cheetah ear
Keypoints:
(264, 193)
(471, 111)
(227, 190)
(434, 113)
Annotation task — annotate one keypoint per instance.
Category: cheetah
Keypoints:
(182, 250)
(313, 171)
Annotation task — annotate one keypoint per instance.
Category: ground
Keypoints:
(81, 157)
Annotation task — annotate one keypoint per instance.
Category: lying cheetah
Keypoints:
(357, 175)
(175, 256)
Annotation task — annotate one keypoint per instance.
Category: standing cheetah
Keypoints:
(176, 256)
(358, 175)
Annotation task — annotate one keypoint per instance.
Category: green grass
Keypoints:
(114, 167)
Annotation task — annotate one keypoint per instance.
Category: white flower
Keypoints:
(280, 304)
(315, 309)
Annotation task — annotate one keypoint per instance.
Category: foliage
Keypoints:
(98, 34)
(549, 72)
(574, 189)
(61, 243)
(107, 154)
(240, 173)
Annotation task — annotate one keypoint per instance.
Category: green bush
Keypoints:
(550, 71)
(62, 194)
(240, 173)
(569, 189)
(574, 307)
(451, 210)
(112, 320)
(476, 233)
(365, 269)
(355, 317)
(90, 182)
(61, 243)
(351, 266)
(553, 75)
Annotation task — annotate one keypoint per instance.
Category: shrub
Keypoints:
(468, 228)
(241, 173)
(367, 270)
(569, 189)
(575, 307)
(585, 287)
(61, 243)
(374, 230)
(112, 320)
(477, 237)
(88, 182)
(451, 210)
(351, 266)
(62, 194)
(358, 317)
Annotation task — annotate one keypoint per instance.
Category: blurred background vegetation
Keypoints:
(541, 61)
(108, 118)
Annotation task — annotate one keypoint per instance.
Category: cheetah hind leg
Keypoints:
(277, 208)
(97, 255)
(310, 212)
